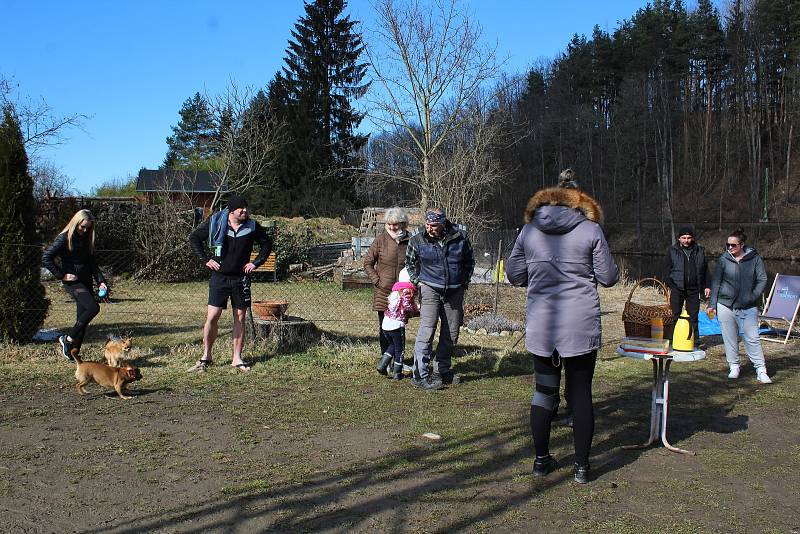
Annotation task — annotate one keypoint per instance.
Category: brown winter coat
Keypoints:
(383, 262)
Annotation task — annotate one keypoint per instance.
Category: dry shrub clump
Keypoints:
(493, 323)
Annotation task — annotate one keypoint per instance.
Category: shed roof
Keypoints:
(181, 181)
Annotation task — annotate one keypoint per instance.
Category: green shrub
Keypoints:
(291, 245)
(23, 305)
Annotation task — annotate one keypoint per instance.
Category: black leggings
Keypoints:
(579, 372)
(397, 345)
(385, 341)
(88, 308)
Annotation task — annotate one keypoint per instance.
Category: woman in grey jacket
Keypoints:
(739, 280)
(561, 255)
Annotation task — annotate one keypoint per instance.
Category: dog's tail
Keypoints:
(74, 353)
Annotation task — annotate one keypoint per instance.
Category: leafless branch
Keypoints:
(248, 141)
(430, 67)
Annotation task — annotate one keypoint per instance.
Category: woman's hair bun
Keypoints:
(739, 233)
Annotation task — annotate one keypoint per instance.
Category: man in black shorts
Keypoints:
(231, 235)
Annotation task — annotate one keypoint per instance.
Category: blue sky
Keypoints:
(130, 65)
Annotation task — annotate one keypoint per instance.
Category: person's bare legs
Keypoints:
(238, 337)
(210, 331)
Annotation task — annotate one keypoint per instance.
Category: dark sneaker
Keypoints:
(383, 364)
(397, 376)
(66, 346)
(544, 466)
(448, 379)
(426, 383)
(581, 473)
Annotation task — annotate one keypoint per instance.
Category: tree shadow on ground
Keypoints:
(481, 475)
(490, 364)
(100, 332)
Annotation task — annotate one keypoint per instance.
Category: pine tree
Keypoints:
(321, 77)
(23, 305)
(192, 143)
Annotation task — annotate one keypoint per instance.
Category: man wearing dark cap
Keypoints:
(230, 234)
(686, 273)
(439, 262)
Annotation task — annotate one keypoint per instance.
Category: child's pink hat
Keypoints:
(403, 285)
(403, 281)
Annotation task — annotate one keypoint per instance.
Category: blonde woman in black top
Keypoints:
(71, 259)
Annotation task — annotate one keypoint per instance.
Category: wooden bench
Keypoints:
(269, 266)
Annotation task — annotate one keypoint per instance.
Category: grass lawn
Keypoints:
(314, 439)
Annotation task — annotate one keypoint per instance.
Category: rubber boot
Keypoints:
(398, 371)
(384, 363)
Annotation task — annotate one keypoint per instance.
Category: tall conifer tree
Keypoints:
(314, 93)
(191, 144)
(23, 305)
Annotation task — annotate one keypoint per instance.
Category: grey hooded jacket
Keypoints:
(561, 255)
(738, 285)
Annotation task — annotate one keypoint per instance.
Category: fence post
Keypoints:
(497, 275)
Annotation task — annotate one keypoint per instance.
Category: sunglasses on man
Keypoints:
(732, 245)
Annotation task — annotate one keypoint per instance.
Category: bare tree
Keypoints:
(430, 67)
(467, 172)
(49, 180)
(247, 142)
(161, 230)
(41, 126)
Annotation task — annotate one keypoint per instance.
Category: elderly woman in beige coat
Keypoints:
(383, 262)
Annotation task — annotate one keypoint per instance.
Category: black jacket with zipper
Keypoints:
(236, 249)
(79, 261)
(678, 259)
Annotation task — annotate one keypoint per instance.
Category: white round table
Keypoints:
(659, 399)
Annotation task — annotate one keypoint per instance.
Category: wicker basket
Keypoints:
(637, 316)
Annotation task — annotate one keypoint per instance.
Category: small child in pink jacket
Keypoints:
(401, 308)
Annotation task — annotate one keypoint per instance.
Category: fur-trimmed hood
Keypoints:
(570, 198)
(561, 256)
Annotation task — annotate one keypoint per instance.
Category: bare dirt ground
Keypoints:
(317, 441)
(237, 453)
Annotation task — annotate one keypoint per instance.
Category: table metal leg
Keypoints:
(654, 411)
(665, 405)
(659, 407)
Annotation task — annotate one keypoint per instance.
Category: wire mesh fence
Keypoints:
(164, 314)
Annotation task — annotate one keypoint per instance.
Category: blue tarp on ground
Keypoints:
(711, 327)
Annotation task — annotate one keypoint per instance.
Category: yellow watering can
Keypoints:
(683, 334)
(498, 275)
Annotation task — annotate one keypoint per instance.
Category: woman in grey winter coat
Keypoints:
(739, 280)
(561, 255)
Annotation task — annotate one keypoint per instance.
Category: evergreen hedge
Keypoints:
(23, 306)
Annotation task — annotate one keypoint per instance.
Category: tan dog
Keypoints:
(117, 349)
(104, 375)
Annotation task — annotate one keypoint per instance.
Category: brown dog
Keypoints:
(117, 349)
(104, 375)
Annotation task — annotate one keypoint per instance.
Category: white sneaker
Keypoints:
(763, 377)
(734, 371)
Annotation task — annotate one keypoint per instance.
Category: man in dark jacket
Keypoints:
(686, 273)
(231, 235)
(439, 262)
